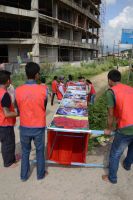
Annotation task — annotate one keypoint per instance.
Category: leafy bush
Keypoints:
(98, 114)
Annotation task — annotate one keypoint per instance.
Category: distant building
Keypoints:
(49, 30)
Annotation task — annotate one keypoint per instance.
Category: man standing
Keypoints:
(7, 121)
(31, 98)
(120, 107)
(54, 89)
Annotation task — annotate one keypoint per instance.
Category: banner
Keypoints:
(73, 110)
(127, 36)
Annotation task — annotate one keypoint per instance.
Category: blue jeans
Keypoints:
(92, 99)
(118, 146)
(26, 137)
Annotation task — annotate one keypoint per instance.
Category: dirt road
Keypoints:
(66, 183)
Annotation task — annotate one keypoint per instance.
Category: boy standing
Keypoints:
(31, 99)
(7, 121)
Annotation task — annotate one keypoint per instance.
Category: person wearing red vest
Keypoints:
(61, 89)
(7, 121)
(70, 81)
(120, 108)
(54, 89)
(91, 92)
(31, 102)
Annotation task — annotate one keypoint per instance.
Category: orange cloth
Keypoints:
(92, 90)
(54, 86)
(66, 149)
(30, 100)
(123, 110)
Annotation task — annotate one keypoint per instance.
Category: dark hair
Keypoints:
(70, 77)
(80, 77)
(114, 75)
(4, 76)
(88, 81)
(31, 70)
(55, 77)
(43, 79)
(61, 78)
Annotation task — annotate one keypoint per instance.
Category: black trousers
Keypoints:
(52, 98)
(7, 139)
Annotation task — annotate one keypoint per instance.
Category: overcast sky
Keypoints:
(119, 14)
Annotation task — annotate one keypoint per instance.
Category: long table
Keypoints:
(69, 133)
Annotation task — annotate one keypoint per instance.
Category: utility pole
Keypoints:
(114, 52)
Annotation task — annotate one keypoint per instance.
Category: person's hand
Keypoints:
(107, 132)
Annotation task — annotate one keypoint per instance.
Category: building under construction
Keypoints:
(49, 30)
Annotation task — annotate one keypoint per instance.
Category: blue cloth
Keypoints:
(118, 146)
(30, 82)
(26, 136)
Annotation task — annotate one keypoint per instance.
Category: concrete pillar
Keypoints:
(55, 15)
(76, 19)
(72, 17)
(92, 55)
(81, 3)
(85, 23)
(55, 27)
(71, 34)
(55, 9)
(88, 8)
(87, 38)
(81, 54)
(92, 36)
(35, 32)
(97, 31)
(71, 55)
(92, 40)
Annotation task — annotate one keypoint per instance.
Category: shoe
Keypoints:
(128, 168)
(46, 173)
(106, 179)
(24, 180)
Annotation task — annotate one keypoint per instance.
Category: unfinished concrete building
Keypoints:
(53, 30)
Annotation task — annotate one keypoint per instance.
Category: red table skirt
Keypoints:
(65, 148)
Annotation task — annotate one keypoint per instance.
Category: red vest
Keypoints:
(92, 91)
(54, 86)
(6, 121)
(59, 94)
(70, 83)
(123, 110)
(30, 100)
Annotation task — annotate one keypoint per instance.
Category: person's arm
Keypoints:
(46, 100)
(9, 113)
(6, 103)
(110, 117)
(110, 120)
(45, 103)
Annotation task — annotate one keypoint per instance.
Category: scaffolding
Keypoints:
(102, 21)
